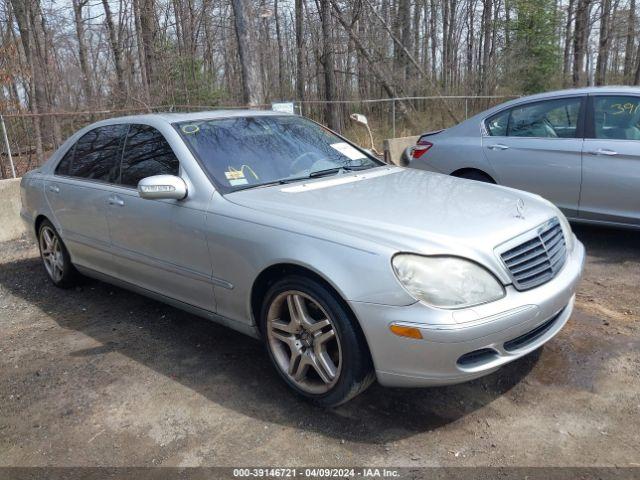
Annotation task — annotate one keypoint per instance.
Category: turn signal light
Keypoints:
(404, 331)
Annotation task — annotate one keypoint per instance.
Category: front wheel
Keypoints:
(314, 343)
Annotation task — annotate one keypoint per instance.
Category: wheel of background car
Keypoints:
(314, 343)
(55, 257)
(476, 175)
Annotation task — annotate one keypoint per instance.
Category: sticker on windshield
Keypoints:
(235, 177)
(348, 151)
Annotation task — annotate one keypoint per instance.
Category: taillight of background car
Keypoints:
(421, 148)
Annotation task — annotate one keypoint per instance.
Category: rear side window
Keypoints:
(617, 117)
(548, 119)
(65, 164)
(146, 153)
(497, 125)
(96, 155)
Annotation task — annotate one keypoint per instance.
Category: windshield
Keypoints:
(242, 152)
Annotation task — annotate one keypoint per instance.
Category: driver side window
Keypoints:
(547, 119)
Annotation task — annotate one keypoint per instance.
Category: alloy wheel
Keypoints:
(304, 342)
(51, 251)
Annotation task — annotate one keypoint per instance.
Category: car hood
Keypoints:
(403, 209)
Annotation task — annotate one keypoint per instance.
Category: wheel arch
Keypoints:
(38, 221)
(461, 171)
(275, 272)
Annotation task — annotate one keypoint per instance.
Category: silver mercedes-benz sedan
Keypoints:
(578, 148)
(348, 269)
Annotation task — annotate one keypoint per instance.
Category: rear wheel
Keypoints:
(55, 257)
(475, 175)
(313, 342)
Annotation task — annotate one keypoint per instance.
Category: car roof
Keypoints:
(614, 89)
(176, 117)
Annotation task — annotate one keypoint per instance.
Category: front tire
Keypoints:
(55, 257)
(314, 343)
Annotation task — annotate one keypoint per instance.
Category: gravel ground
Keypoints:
(100, 376)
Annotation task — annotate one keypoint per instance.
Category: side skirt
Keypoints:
(249, 330)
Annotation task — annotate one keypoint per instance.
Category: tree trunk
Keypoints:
(82, 51)
(603, 43)
(328, 65)
(117, 52)
(566, 63)
(148, 31)
(252, 91)
(299, 54)
(281, 81)
(628, 51)
(486, 45)
(580, 39)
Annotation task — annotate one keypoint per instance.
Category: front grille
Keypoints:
(537, 259)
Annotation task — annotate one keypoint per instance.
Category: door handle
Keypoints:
(604, 151)
(54, 188)
(116, 201)
(498, 146)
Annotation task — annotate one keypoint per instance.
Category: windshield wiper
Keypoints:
(316, 174)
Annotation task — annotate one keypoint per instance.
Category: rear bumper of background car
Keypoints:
(461, 345)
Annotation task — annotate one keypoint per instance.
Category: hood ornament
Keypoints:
(520, 209)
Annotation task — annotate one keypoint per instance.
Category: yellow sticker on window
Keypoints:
(190, 129)
(234, 174)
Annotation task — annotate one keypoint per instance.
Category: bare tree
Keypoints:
(252, 90)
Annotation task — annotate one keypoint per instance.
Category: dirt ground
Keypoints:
(101, 376)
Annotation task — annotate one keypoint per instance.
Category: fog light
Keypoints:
(403, 331)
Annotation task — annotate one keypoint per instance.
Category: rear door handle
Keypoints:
(114, 200)
(604, 151)
(498, 146)
(54, 188)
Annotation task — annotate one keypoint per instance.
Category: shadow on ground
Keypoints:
(610, 245)
(233, 370)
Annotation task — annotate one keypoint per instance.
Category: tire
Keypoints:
(322, 355)
(55, 257)
(476, 175)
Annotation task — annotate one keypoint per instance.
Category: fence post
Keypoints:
(393, 118)
(466, 108)
(6, 146)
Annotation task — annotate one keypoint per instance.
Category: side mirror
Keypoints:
(161, 187)
(358, 118)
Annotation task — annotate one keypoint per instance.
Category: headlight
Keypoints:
(566, 228)
(446, 282)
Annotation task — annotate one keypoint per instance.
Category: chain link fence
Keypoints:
(29, 139)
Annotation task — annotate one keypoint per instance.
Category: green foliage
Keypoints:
(192, 84)
(536, 60)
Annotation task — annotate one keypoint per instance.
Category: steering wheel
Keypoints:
(297, 165)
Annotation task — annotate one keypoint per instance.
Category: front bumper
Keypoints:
(460, 345)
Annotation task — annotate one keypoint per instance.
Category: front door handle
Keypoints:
(116, 201)
(604, 151)
(498, 146)
(54, 188)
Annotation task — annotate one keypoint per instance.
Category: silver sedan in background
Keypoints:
(578, 148)
(347, 269)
